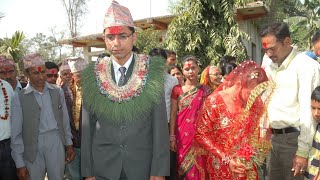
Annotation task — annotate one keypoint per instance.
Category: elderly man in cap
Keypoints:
(8, 72)
(65, 74)
(40, 126)
(73, 97)
(124, 131)
(7, 165)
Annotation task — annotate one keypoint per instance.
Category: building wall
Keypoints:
(253, 45)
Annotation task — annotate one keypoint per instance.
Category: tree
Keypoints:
(55, 36)
(47, 46)
(302, 18)
(304, 25)
(206, 29)
(149, 39)
(75, 9)
(12, 46)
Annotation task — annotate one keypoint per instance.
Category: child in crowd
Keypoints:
(314, 154)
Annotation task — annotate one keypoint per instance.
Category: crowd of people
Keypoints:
(143, 117)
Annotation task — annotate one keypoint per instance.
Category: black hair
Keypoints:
(158, 52)
(316, 37)
(135, 49)
(315, 96)
(228, 58)
(225, 59)
(175, 67)
(132, 29)
(190, 58)
(227, 68)
(169, 52)
(51, 65)
(279, 29)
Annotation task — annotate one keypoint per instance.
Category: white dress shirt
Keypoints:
(290, 103)
(5, 124)
(116, 67)
(169, 83)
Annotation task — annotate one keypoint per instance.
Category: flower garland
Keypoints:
(134, 86)
(131, 102)
(6, 102)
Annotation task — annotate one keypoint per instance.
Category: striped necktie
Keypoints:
(121, 80)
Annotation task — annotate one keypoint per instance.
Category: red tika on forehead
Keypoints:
(39, 68)
(52, 71)
(264, 45)
(265, 42)
(115, 29)
(6, 69)
(189, 64)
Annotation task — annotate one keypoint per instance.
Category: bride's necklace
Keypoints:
(6, 102)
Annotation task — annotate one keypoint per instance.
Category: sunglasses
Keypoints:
(52, 75)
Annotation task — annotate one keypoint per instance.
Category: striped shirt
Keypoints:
(314, 156)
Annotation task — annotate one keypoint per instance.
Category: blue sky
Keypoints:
(37, 16)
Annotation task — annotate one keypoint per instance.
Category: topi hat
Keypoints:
(6, 61)
(32, 60)
(77, 64)
(117, 15)
(64, 65)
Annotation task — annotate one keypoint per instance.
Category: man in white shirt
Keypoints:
(7, 165)
(295, 75)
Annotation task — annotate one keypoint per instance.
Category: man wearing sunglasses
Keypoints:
(52, 72)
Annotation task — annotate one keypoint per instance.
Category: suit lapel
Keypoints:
(129, 72)
(112, 73)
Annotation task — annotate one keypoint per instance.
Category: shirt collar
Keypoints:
(116, 66)
(287, 61)
(18, 86)
(30, 89)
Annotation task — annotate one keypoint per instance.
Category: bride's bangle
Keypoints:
(172, 138)
(226, 160)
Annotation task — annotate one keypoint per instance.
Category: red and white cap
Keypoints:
(6, 61)
(117, 15)
(32, 60)
(77, 64)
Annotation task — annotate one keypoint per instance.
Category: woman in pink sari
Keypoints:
(186, 100)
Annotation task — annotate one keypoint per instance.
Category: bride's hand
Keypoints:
(173, 146)
(237, 169)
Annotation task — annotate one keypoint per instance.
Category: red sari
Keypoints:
(191, 164)
(231, 130)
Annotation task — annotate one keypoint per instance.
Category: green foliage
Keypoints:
(149, 39)
(45, 45)
(280, 10)
(206, 29)
(306, 24)
(11, 46)
(303, 19)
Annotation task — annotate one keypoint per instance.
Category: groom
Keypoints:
(124, 134)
